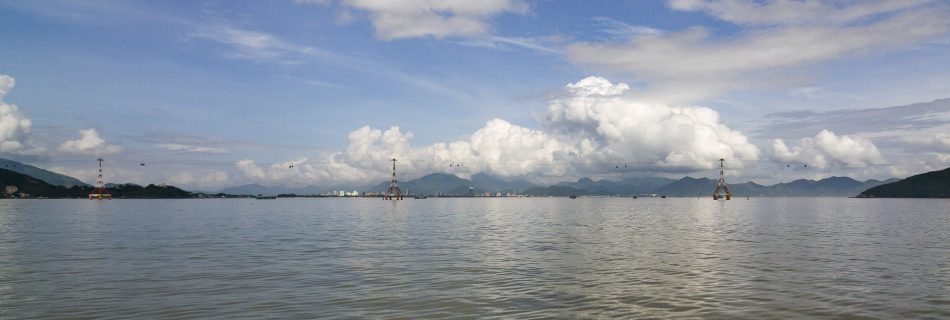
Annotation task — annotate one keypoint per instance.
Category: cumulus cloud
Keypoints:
(14, 125)
(89, 143)
(250, 169)
(396, 19)
(649, 134)
(584, 133)
(780, 36)
(827, 149)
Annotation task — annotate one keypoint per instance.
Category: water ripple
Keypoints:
(462, 258)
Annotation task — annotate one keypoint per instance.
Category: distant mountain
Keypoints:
(433, 183)
(688, 187)
(50, 177)
(448, 184)
(494, 184)
(828, 187)
(643, 184)
(38, 188)
(628, 186)
(934, 184)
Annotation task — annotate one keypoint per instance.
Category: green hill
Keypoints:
(934, 184)
(50, 177)
(37, 188)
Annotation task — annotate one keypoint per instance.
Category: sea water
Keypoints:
(475, 257)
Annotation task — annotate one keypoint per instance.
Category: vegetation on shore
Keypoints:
(934, 184)
(29, 187)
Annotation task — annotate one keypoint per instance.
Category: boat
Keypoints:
(419, 196)
(261, 197)
(663, 196)
(573, 196)
(634, 197)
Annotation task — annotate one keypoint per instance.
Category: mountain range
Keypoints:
(26, 184)
(934, 184)
(448, 184)
(828, 187)
(50, 177)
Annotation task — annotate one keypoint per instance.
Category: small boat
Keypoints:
(420, 196)
(663, 196)
(261, 197)
(634, 197)
(573, 196)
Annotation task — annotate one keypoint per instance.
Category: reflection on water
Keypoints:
(517, 258)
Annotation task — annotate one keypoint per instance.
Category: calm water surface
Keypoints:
(465, 258)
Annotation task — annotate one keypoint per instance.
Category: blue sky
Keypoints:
(212, 94)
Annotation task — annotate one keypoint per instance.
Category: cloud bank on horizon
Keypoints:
(652, 104)
(591, 131)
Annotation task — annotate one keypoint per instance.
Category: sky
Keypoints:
(210, 94)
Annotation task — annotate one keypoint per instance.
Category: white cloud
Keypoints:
(650, 135)
(396, 19)
(583, 134)
(939, 141)
(827, 149)
(691, 64)
(547, 45)
(89, 143)
(14, 125)
(261, 46)
(250, 169)
(210, 180)
(622, 30)
(190, 148)
(785, 12)
(943, 158)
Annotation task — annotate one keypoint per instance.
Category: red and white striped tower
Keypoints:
(100, 191)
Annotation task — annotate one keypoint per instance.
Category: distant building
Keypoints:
(10, 189)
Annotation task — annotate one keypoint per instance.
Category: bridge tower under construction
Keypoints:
(722, 189)
(100, 191)
(393, 193)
